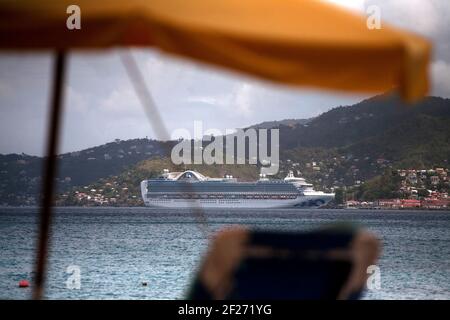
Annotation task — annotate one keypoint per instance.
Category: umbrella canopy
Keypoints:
(306, 43)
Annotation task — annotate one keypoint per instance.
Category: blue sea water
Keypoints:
(117, 249)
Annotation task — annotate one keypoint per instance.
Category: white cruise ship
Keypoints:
(190, 189)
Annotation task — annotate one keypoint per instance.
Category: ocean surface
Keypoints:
(116, 249)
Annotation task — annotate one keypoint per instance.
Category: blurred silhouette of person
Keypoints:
(330, 263)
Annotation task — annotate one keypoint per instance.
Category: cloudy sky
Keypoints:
(101, 104)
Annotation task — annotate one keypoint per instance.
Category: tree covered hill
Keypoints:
(345, 146)
(383, 123)
(20, 175)
(353, 144)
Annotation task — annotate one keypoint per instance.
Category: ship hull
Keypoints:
(312, 201)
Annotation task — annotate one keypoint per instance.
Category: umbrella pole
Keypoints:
(48, 181)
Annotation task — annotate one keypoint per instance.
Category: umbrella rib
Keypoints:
(154, 116)
(146, 99)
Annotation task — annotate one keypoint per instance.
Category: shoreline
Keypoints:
(377, 209)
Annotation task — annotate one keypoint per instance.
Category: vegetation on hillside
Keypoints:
(346, 147)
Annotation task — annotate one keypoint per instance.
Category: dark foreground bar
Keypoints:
(187, 309)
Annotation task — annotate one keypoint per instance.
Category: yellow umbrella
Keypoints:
(297, 42)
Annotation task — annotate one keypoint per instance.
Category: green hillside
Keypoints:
(344, 147)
